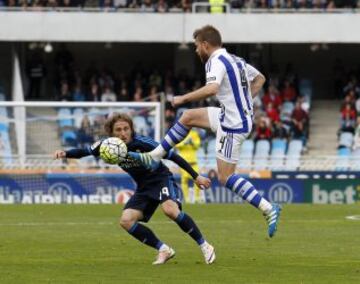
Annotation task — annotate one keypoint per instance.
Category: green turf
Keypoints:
(83, 244)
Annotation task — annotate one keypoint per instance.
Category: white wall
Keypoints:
(137, 27)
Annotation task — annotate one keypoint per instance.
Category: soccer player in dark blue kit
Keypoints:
(154, 188)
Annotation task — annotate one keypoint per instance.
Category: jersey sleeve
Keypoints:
(77, 153)
(215, 71)
(252, 72)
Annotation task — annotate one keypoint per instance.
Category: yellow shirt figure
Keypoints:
(188, 150)
(216, 6)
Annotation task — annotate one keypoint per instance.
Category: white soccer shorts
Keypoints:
(227, 145)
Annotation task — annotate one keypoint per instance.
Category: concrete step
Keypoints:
(324, 124)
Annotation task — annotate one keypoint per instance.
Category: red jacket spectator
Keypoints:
(299, 114)
(272, 113)
(263, 131)
(272, 96)
(348, 112)
(288, 93)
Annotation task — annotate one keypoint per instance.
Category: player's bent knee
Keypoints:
(126, 222)
(171, 210)
(187, 117)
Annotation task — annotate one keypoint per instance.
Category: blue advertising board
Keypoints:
(118, 188)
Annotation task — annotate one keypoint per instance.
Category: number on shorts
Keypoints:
(164, 191)
(222, 142)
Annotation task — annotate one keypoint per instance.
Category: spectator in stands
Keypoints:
(94, 94)
(106, 4)
(263, 131)
(356, 143)
(272, 113)
(108, 95)
(185, 5)
(272, 96)
(147, 6)
(65, 94)
(119, 4)
(85, 133)
(78, 94)
(348, 112)
(352, 85)
(123, 95)
(300, 121)
(280, 131)
(138, 95)
(155, 79)
(216, 6)
(154, 94)
(161, 7)
(348, 117)
(288, 93)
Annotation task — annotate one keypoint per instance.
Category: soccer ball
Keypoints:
(113, 150)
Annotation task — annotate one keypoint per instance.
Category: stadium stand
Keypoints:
(162, 6)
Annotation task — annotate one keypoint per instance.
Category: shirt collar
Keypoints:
(216, 52)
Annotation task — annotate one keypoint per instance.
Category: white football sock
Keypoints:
(164, 247)
(265, 206)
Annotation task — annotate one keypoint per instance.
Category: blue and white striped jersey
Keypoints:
(233, 75)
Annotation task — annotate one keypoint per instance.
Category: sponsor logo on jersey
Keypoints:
(210, 79)
(95, 145)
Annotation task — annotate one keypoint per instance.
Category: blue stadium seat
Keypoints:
(278, 146)
(355, 160)
(346, 139)
(262, 150)
(343, 159)
(93, 113)
(295, 148)
(246, 154)
(293, 155)
(211, 153)
(277, 156)
(78, 117)
(64, 117)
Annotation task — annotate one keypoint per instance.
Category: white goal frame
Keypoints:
(20, 116)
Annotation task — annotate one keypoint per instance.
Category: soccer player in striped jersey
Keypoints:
(154, 188)
(235, 83)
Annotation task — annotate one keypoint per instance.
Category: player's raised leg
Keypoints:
(247, 191)
(129, 221)
(190, 118)
(187, 224)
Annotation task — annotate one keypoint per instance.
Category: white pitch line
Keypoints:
(353, 217)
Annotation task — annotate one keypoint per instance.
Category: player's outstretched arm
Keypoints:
(257, 84)
(200, 181)
(72, 153)
(197, 95)
(59, 154)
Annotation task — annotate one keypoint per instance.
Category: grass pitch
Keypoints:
(83, 244)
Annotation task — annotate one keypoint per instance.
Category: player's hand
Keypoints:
(177, 101)
(59, 154)
(202, 182)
